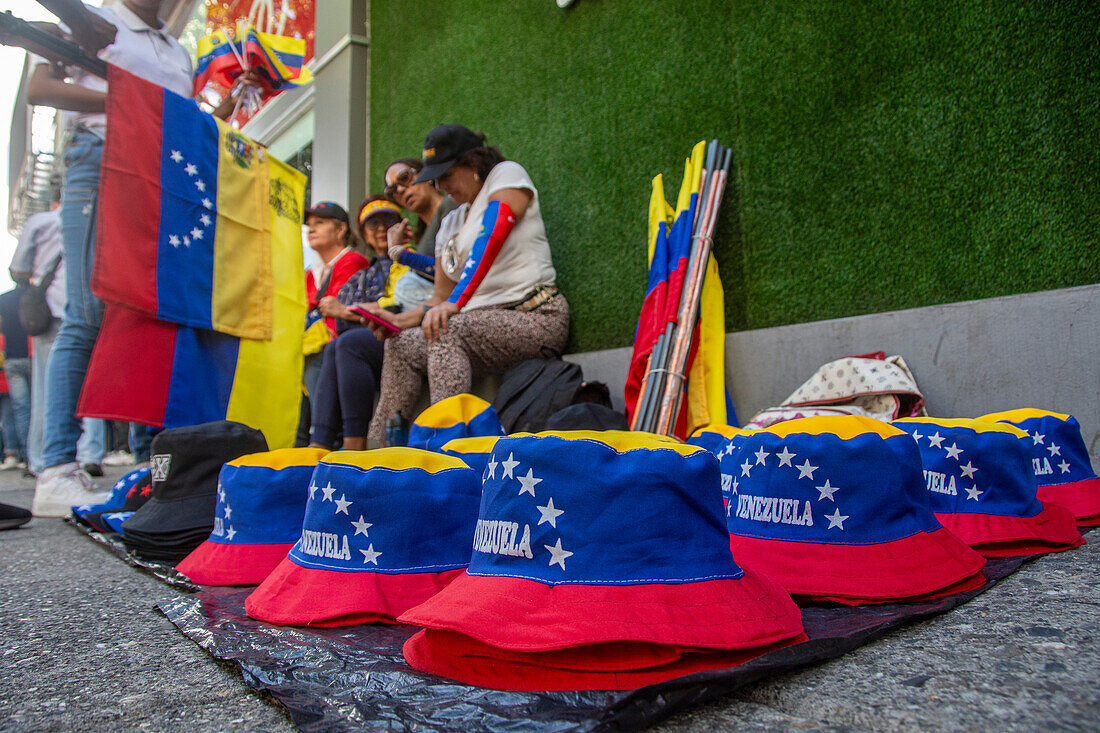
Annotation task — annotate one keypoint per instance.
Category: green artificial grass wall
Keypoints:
(886, 155)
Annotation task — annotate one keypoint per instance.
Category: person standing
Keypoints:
(131, 36)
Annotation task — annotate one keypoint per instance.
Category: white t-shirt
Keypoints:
(39, 244)
(523, 262)
(151, 53)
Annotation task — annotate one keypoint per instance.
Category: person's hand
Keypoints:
(397, 237)
(380, 332)
(434, 324)
(250, 78)
(94, 34)
(330, 307)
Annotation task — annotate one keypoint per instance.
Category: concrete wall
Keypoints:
(1037, 350)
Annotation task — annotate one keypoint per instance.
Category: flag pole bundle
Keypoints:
(680, 262)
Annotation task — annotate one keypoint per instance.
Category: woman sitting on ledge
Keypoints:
(503, 307)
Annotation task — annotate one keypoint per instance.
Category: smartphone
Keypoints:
(373, 318)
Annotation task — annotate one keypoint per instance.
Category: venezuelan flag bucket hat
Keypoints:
(383, 531)
(835, 509)
(600, 561)
(1060, 461)
(981, 487)
(474, 452)
(461, 416)
(714, 437)
(257, 518)
(127, 496)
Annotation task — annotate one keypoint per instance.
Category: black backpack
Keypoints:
(533, 390)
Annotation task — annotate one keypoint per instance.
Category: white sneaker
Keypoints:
(118, 458)
(9, 463)
(60, 488)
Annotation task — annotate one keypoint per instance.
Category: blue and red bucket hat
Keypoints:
(981, 487)
(1059, 459)
(257, 518)
(461, 416)
(383, 531)
(600, 561)
(127, 496)
(835, 509)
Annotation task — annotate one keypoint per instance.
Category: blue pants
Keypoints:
(83, 311)
(344, 396)
(19, 388)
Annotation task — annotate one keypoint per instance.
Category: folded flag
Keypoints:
(184, 233)
(166, 375)
(278, 59)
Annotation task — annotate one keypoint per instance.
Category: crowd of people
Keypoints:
(469, 289)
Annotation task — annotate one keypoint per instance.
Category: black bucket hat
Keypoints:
(185, 464)
(443, 147)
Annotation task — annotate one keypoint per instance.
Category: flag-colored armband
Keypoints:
(496, 225)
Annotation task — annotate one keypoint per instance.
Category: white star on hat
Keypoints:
(805, 470)
(827, 490)
(557, 554)
(836, 520)
(916, 436)
(361, 526)
(1055, 449)
(936, 440)
(230, 533)
(972, 493)
(1037, 437)
(507, 467)
(746, 467)
(369, 555)
(491, 469)
(761, 455)
(1064, 465)
(342, 504)
(549, 513)
(313, 488)
(954, 451)
(328, 491)
(968, 470)
(527, 483)
(785, 457)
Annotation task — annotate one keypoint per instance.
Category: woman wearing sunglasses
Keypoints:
(415, 249)
(504, 307)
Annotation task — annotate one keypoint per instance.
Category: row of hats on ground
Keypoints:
(595, 561)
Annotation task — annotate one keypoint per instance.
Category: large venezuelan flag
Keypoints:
(165, 375)
(183, 228)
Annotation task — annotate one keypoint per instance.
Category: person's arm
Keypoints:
(22, 259)
(91, 31)
(250, 78)
(46, 90)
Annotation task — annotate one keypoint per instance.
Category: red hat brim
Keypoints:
(612, 666)
(1080, 497)
(216, 563)
(1051, 530)
(301, 596)
(524, 615)
(973, 582)
(911, 568)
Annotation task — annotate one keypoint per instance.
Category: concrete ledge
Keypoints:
(1034, 350)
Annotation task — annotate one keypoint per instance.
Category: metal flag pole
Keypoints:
(673, 395)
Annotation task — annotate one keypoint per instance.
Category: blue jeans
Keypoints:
(344, 395)
(19, 387)
(83, 311)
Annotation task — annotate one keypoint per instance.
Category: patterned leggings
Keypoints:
(486, 340)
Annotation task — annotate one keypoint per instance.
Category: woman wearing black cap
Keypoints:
(504, 307)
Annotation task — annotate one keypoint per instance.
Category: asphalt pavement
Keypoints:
(82, 647)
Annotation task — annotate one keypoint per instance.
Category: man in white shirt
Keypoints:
(129, 35)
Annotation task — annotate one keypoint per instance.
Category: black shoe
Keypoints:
(93, 469)
(27, 473)
(12, 516)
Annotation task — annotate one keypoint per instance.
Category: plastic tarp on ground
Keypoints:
(354, 677)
